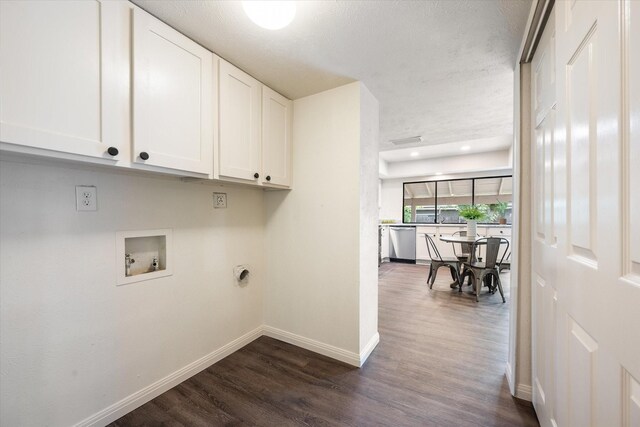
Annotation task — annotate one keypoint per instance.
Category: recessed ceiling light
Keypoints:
(414, 154)
(438, 173)
(465, 148)
(272, 15)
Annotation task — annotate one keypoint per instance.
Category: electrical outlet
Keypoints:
(86, 198)
(219, 200)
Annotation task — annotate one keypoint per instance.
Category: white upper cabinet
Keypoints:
(104, 81)
(240, 116)
(172, 103)
(58, 61)
(277, 115)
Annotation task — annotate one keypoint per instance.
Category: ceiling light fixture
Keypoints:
(414, 154)
(272, 15)
(465, 148)
(438, 173)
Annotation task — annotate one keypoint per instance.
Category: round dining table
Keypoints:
(451, 238)
(456, 238)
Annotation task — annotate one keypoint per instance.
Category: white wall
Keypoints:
(382, 167)
(76, 348)
(475, 162)
(315, 235)
(74, 343)
(369, 183)
(519, 366)
(391, 197)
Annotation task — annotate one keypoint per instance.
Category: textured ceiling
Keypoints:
(440, 69)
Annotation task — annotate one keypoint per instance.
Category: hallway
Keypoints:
(440, 362)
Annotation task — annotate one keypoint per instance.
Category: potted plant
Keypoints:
(500, 209)
(472, 213)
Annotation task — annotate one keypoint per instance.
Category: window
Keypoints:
(437, 202)
(420, 202)
(496, 194)
(452, 194)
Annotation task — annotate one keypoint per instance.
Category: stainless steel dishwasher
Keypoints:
(403, 244)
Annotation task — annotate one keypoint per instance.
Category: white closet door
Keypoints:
(172, 98)
(240, 118)
(277, 115)
(586, 296)
(544, 242)
(57, 76)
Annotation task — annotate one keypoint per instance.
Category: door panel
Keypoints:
(582, 354)
(539, 135)
(631, 401)
(581, 131)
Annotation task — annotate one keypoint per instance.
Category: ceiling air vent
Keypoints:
(403, 141)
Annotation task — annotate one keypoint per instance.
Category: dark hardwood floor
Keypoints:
(440, 362)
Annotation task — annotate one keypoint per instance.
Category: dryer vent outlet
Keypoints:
(241, 273)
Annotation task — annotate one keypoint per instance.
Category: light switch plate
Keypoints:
(86, 198)
(219, 200)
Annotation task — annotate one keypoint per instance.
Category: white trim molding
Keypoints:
(509, 374)
(152, 391)
(148, 393)
(337, 353)
(368, 349)
(524, 392)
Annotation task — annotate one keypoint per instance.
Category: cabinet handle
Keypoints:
(268, 177)
(113, 151)
(256, 175)
(144, 155)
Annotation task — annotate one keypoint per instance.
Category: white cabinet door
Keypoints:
(277, 114)
(240, 116)
(58, 60)
(504, 232)
(172, 98)
(446, 248)
(385, 242)
(421, 243)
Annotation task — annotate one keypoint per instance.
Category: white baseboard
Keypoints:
(316, 346)
(507, 373)
(141, 397)
(521, 391)
(524, 392)
(366, 351)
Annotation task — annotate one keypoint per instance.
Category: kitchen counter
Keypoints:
(387, 243)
